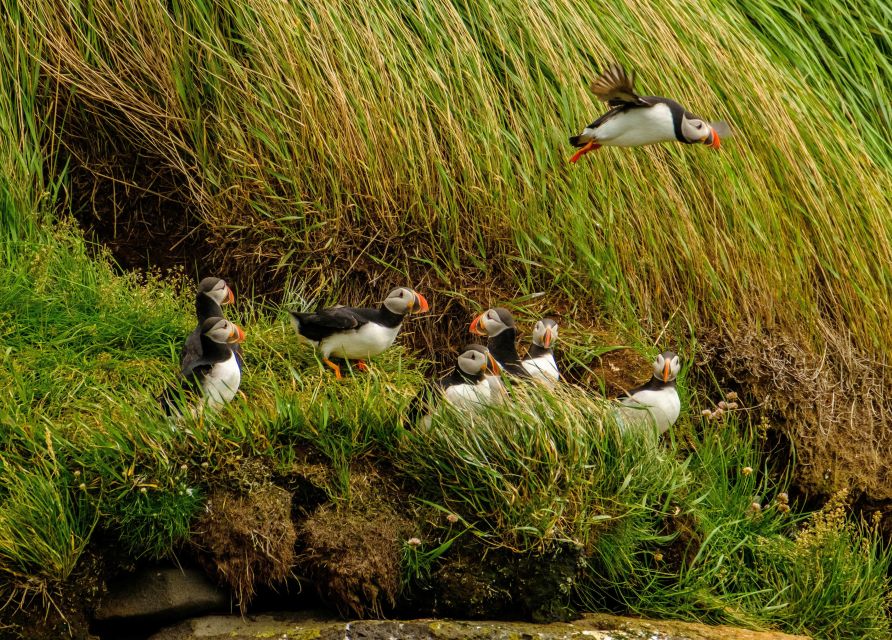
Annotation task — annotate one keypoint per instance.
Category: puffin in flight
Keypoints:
(212, 294)
(498, 325)
(213, 373)
(539, 361)
(656, 402)
(467, 388)
(357, 334)
(634, 120)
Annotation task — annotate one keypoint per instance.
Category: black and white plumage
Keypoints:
(656, 402)
(539, 361)
(357, 333)
(635, 120)
(210, 297)
(498, 325)
(213, 374)
(467, 388)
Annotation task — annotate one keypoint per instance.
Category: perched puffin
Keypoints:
(634, 120)
(214, 373)
(467, 388)
(357, 334)
(539, 361)
(657, 401)
(212, 294)
(498, 325)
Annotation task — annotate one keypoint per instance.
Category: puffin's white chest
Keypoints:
(221, 382)
(543, 369)
(367, 341)
(661, 407)
(469, 397)
(636, 127)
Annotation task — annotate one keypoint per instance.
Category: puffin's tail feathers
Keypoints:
(574, 140)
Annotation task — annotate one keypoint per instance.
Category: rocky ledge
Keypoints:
(590, 627)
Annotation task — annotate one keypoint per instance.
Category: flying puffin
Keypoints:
(539, 361)
(467, 388)
(634, 120)
(655, 402)
(357, 334)
(498, 325)
(213, 373)
(212, 294)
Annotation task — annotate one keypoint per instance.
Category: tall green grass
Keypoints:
(431, 137)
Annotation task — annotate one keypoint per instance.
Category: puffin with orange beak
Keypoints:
(356, 333)
(467, 388)
(539, 361)
(212, 294)
(498, 325)
(213, 374)
(634, 120)
(655, 402)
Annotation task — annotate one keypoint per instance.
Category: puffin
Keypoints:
(635, 120)
(212, 294)
(539, 361)
(355, 333)
(498, 325)
(214, 373)
(467, 387)
(655, 402)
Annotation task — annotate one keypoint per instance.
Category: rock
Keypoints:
(161, 595)
(591, 627)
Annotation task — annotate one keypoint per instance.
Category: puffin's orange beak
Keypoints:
(546, 339)
(493, 365)
(666, 371)
(421, 301)
(237, 334)
(713, 139)
(475, 326)
(590, 146)
(230, 296)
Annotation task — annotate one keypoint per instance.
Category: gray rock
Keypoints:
(590, 627)
(162, 596)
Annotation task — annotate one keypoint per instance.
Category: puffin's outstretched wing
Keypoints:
(617, 88)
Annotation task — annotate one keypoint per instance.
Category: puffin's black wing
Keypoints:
(192, 348)
(321, 324)
(617, 88)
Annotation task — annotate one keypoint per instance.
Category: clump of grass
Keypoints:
(44, 527)
(550, 466)
(832, 579)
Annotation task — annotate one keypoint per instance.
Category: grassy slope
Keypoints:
(443, 127)
(97, 454)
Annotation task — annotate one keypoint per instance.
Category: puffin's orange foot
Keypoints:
(362, 366)
(590, 146)
(334, 367)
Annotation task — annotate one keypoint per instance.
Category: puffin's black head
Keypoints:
(694, 129)
(476, 360)
(666, 366)
(492, 322)
(545, 333)
(403, 301)
(222, 331)
(217, 290)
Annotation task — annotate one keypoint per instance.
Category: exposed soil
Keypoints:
(833, 408)
(352, 550)
(247, 540)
